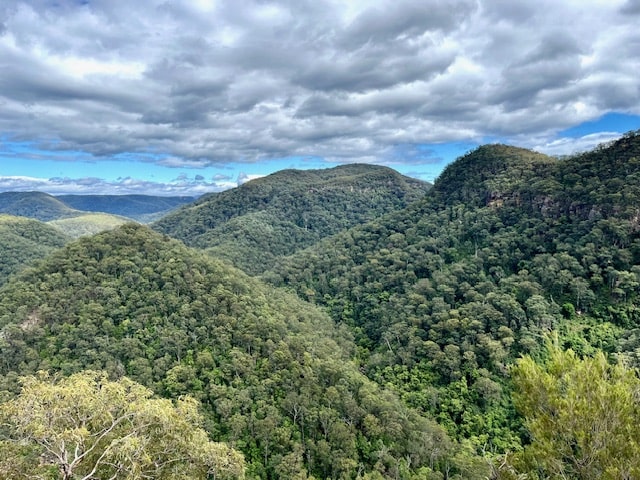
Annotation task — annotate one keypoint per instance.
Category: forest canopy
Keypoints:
(407, 342)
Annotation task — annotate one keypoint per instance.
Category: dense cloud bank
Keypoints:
(197, 83)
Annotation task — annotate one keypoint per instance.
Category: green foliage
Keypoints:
(432, 303)
(38, 205)
(445, 294)
(22, 241)
(490, 174)
(273, 374)
(257, 223)
(87, 426)
(581, 416)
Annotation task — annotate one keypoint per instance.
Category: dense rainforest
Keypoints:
(252, 226)
(446, 294)
(486, 327)
(274, 375)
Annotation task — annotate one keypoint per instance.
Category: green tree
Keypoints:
(86, 426)
(582, 416)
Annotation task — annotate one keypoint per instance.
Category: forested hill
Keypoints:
(255, 224)
(444, 295)
(490, 328)
(273, 374)
(23, 240)
(489, 173)
(38, 205)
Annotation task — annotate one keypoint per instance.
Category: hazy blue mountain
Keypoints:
(142, 208)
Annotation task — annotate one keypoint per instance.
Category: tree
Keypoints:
(582, 417)
(85, 427)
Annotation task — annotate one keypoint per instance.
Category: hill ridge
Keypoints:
(256, 223)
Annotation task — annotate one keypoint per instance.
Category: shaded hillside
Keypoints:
(142, 208)
(22, 241)
(260, 221)
(273, 373)
(509, 244)
(38, 205)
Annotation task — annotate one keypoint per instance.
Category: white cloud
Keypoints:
(245, 177)
(570, 146)
(184, 186)
(211, 82)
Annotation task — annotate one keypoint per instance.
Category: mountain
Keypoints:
(274, 375)
(81, 215)
(488, 329)
(264, 219)
(45, 207)
(38, 205)
(488, 173)
(509, 244)
(142, 208)
(23, 241)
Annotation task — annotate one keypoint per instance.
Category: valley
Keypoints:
(352, 322)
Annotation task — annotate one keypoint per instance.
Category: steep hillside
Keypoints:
(273, 373)
(444, 295)
(23, 241)
(142, 208)
(257, 223)
(38, 205)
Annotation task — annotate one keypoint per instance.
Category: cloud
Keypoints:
(245, 177)
(181, 186)
(195, 84)
(570, 145)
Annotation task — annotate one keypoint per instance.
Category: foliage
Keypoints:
(581, 415)
(38, 205)
(23, 241)
(86, 426)
(262, 220)
(429, 305)
(273, 374)
(445, 294)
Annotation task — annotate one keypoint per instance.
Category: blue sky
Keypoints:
(188, 97)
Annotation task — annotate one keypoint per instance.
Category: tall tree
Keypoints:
(582, 416)
(86, 426)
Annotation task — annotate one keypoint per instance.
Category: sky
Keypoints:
(183, 97)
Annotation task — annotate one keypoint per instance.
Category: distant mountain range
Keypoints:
(45, 207)
(142, 208)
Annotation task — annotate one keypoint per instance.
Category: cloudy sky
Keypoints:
(189, 96)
